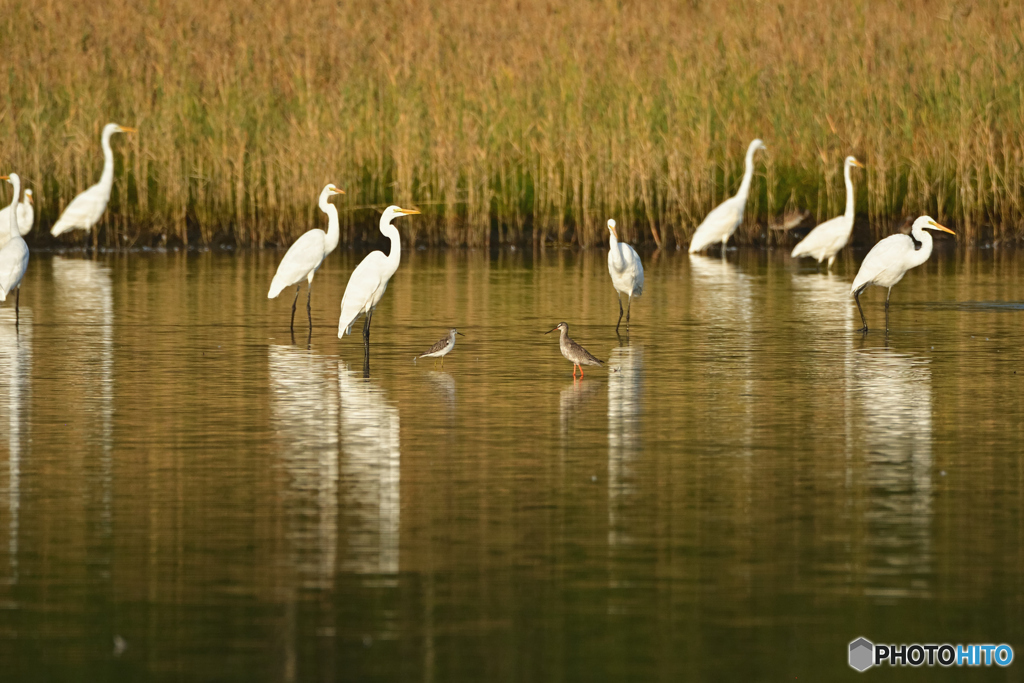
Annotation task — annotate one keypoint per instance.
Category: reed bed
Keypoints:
(514, 120)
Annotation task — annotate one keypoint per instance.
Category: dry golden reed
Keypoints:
(512, 119)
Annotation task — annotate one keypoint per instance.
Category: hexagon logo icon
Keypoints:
(862, 654)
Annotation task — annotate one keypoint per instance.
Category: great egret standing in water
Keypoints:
(26, 216)
(14, 254)
(370, 278)
(829, 238)
(303, 258)
(626, 270)
(87, 208)
(721, 223)
(890, 259)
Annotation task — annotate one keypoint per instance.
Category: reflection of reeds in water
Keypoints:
(370, 475)
(84, 301)
(824, 301)
(894, 397)
(15, 372)
(304, 406)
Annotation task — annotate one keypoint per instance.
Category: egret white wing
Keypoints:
(13, 263)
(83, 212)
(363, 290)
(884, 264)
(302, 258)
(721, 222)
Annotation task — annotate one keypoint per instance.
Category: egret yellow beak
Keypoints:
(337, 191)
(5, 177)
(857, 164)
(408, 212)
(613, 231)
(941, 227)
(125, 129)
(30, 199)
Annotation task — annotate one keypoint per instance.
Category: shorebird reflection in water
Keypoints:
(572, 351)
(441, 348)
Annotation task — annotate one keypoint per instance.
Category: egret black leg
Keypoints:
(309, 310)
(888, 294)
(620, 315)
(856, 297)
(629, 306)
(294, 301)
(17, 301)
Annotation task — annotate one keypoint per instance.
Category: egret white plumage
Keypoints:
(26, 216)
(305, 256)
(87, 208)
(890, 259)
(626, 270)
(721, 223)
(370, 278)
(14, 254)
(829, 238)
(441, 348)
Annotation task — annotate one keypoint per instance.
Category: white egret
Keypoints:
(890, 259)
(572, 351)
(14, 254)
(26, 216)
(721, 223)
(304, 257)
(87, 208)
(829, 238)
(441, 348)
(370, 278)
(626, 270)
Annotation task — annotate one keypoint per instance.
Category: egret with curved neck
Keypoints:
(829, 238)
(306, 255)
(26, 217)
(626, 270)
(721, 223)
(87, 208)
(370, 278)
(890, 259)
(14, 254)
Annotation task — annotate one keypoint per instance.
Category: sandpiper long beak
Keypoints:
(943, 228)
(552, 329)
(408, 212)
(460, 334)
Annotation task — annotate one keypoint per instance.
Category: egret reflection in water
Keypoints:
(15, 372)
(84, 302)
(893, 396)
(625, 389)
(305, 414)
(370, 475)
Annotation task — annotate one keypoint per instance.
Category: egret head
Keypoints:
(331, 188)
(112, 128)
(28, 197)
(611, 228)
(852, 161)
(928, 223)
(394, 212)
(13, 179)
(756, 145)
(564, 327)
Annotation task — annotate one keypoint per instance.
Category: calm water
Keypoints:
(187, 495)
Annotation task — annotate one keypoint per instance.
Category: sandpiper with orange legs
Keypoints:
(572, 351)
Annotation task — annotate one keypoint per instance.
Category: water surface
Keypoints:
(186, 494)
